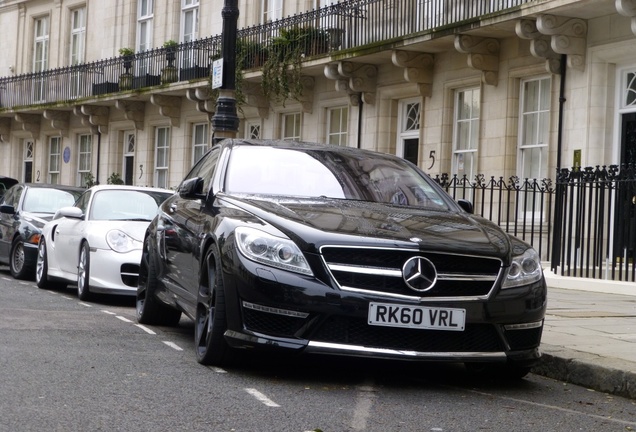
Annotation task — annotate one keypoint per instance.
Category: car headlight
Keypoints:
(271, 250)
(524, 269)
(121, 242)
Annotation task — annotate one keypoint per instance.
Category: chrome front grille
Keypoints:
(379, 271)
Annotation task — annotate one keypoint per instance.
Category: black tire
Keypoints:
(42, 278)
(83, 273)
(17, 261)
(211, 321)
(148, 308)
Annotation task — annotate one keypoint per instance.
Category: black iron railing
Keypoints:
(584, 224)
(348, 25)
(522, 208)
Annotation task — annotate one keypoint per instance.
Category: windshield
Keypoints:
(133, 205)
(47, 200)
(318, 173)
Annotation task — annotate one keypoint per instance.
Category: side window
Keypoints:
(205, 168)
(9, 197)
(82, 202)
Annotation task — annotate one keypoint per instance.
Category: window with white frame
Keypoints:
(534, 128)
(77, 47)
(199, 141)
(84, 158)
(253, 130)
(78, 35)
(272, 10)
(27, 173)
(55, 155)
(466, 132)
(40, 55)
(162, 156)
(189, 20)
(629, 90)
(144, 25)
(408, 140)
(337, 125)
(291, 126)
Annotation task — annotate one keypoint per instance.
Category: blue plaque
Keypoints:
(67, 154)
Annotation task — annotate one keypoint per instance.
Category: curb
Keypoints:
(613, 376)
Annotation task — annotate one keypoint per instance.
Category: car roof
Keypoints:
(7, 182)
(129, 187)
(53, 186)
(306, 145)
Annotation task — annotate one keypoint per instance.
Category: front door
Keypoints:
(625, 221)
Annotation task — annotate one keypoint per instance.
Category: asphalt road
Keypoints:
(66, 365)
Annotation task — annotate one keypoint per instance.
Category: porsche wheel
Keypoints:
(149, 310)
(211, 322)
(83, 273)
(42, 278)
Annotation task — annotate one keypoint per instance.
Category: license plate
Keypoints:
(420, 317)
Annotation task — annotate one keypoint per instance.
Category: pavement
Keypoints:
(589, 335)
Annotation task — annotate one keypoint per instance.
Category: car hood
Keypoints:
(313, 223)
(36, 219)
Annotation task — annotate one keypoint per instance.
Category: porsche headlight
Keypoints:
(121, 242)
(274, 251)
(524, 269)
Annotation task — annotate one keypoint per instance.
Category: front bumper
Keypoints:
(269, 308)
(114, 273)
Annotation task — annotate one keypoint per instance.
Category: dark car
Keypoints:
(6, 183)
(317, 248)
(24, 209)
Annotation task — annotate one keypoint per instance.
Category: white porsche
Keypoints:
(97, 242)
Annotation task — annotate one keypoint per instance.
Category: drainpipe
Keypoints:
(558, 204)
(360, 103)
(99, 147)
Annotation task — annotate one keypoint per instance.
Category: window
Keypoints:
(466, 132)
(338, 122)
(408, 142)
(189, 20)
(199, 141)
(144, 25)
(534, 128)
(55, 153)
(78, 39)
(629, 90)
(272, 10)
(40, 55)
(253, 130)
(129, 157)
(162, 156)
(28, 161)
(84, 159)
(78, 35)
(291, 126)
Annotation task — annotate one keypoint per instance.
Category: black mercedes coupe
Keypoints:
(315, 248)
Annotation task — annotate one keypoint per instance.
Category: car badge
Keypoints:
(415, 239)
(419, 274)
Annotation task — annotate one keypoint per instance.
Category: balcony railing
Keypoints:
(348, 25)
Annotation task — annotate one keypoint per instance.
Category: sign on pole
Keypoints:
(217, 73)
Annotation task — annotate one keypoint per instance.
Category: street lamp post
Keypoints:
(225, 122)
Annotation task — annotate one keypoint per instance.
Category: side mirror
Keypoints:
(7, 209)
(69, 212)
(192, 188)
(466, 205)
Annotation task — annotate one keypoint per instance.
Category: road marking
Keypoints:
(71, 298)
(84, 304)
(218, 370)
(173, 345)
(146, 329)
(108, 312)
(124, 319)
(556, 408)
(261, 397)
(364, 402)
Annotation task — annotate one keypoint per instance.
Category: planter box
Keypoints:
(146, 81)
(105, 87)
(194, 72)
